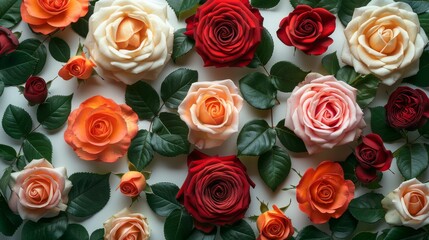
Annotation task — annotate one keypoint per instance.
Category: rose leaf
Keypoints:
(255, 138)
(311, 232)
(81, 26)
(15, 68)
(182, 44)
(1, 87)
(346, 9)
(420, 79)
(169, 145)
(140, 152)
(344, 226)
(424, 130)
(348, 167)
(53, 113)
(274, 166)
(75, 231)
(59, 49)
(365, 236)
(264, 3)
(16, 122)
(264, 51)
(4, 180)
(143, 99)
(97, 234)
(288, 138)
(330, 63)
(286, 76)
(330, 5)
(10, 14)
(170, 123)
(258, 90)
(424, 22)
(418, 7)
(402, 232)
(21, 163)
(37, 146)
(366, 89)
(162, 200)
(412, 159)
(181, 6)
(176, 85)
(9, 221)
(367, 208)
(45, 228)
(239, 230)
(200, 235)
(7, 153)
(380, 126)
(37, 49)
(178, 225)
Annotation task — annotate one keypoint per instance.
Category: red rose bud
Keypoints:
(407, 108)
(371, 153)
(8, 41)
(307, 29)
(35, 90)
(365, 175)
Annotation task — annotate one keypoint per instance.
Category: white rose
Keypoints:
(408, 205)
(126, 225)
(385, 39)
(129, 40)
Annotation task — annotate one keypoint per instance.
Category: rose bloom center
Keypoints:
(130, 34)
(383, 39)
(101, 128)
(212, 111)
(54, 5)
(416, 201)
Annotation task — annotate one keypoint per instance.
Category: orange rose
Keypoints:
(100, 129)
(132, 183)
(274, 225)
(77, 66)
(324, 193)
(46, 16)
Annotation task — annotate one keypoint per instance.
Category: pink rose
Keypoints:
(126, 225)
(323, 112)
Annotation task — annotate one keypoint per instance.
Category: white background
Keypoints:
(174, 169)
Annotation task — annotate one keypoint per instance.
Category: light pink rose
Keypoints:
(323, 112)
(39, 190)
(211, 109)
(126, 225)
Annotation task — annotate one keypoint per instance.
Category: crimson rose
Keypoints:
(35, 90)
(307, 29)
(226, 32)
(216, 190)
(8, 41)
(407, 108)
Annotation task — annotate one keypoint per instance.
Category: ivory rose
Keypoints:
(384, 38)
(274, 225)
(408, 204)
(126, 225)
(132, 183)
(130, 40)
(100, 129)
(77, 66)
(46, 16)
(211, 109)
(39, 190)
(323, 112)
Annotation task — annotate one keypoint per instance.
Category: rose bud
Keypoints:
(132, 183)
(77, 66)
(35, 90)
(273, 225)
(8, 41)
(365, 175)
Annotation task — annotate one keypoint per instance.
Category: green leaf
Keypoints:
(286, 76)
(380, 126)
(140, 152)
(7, 153)
(16, 122)
(366, 89)
(169, 145)
(258, 90)
(143, 99)
(21, 163)
(265, 49)
(313, 233)
(424, 130)
(89, 194)
(53, 113)
(330, 63)
(59, 49)
(274, 166)
(264, 3)
(348, 167)
(176, 85)
(162, 200)
(255, 138)
(1, 88)
(75, 232)
(37, 146)
(289, 139)
(9, 221)
(97, 234)
(45, 228)
(418, 7)
(239, 230)
(182, 44)
(412, 159)
(181, 6)
(346, 9)
(81, 26)
(37, 49)
(178, 225)
(330, 5)
(420, 79)
(424, 22)
(5, 179)
(15, 68)
(347, 74)
(404, 233)
(170, 123)
(10, 14)
(344, 226)
(367, 208)
(199, 235)
(365, 236)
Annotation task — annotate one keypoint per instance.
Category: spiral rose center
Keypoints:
(219, 192)
(38, 86)
(275, 228)
(368, 154)
(306, 27)
(130, 34)
(226, 32)
(383, 40)
(327, 112)
(101, 128)
(325, 193)
(128, 187)
(76, 67)
(53, 5)
(37, 191)
(415, 201)
(212, 111)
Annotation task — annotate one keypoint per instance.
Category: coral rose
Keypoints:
(384, 38)
(126, 225)
(132, 183)
(100, 129)
(323, 112)
(46, 16)
(77, 66)
(211, 111)
(39, 190)
(408, 204)
(323, 193)
(274, 225)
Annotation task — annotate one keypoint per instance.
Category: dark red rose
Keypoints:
(216, 190)
(8, 41)
(407, 108)
(307, 29)
(365, 175)
(226, 32)
(35, 90)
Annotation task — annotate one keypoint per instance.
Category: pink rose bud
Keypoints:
(132, 183)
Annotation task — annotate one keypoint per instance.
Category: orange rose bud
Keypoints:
(132, 183)
(274, 225)
(77, 66)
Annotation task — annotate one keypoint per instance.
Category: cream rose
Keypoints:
(323, 112)
(126, 225)
(211, 109)
(39, 190)
(408, 204)
(129, 40)
(384, 38)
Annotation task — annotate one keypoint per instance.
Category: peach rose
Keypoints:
(100, 129)
(323, 112)
(46, 16)
(274, 225)
(211, 109)
(323, 192)
(408, 204)
(132, 183)
(77, 66)
(126, 225)
(39, 190)
(384, 38)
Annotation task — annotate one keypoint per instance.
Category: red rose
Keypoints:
(35, 90)
(216, 190)
(307, 29)
(407, 108)
(8, 41)
(226, 32)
